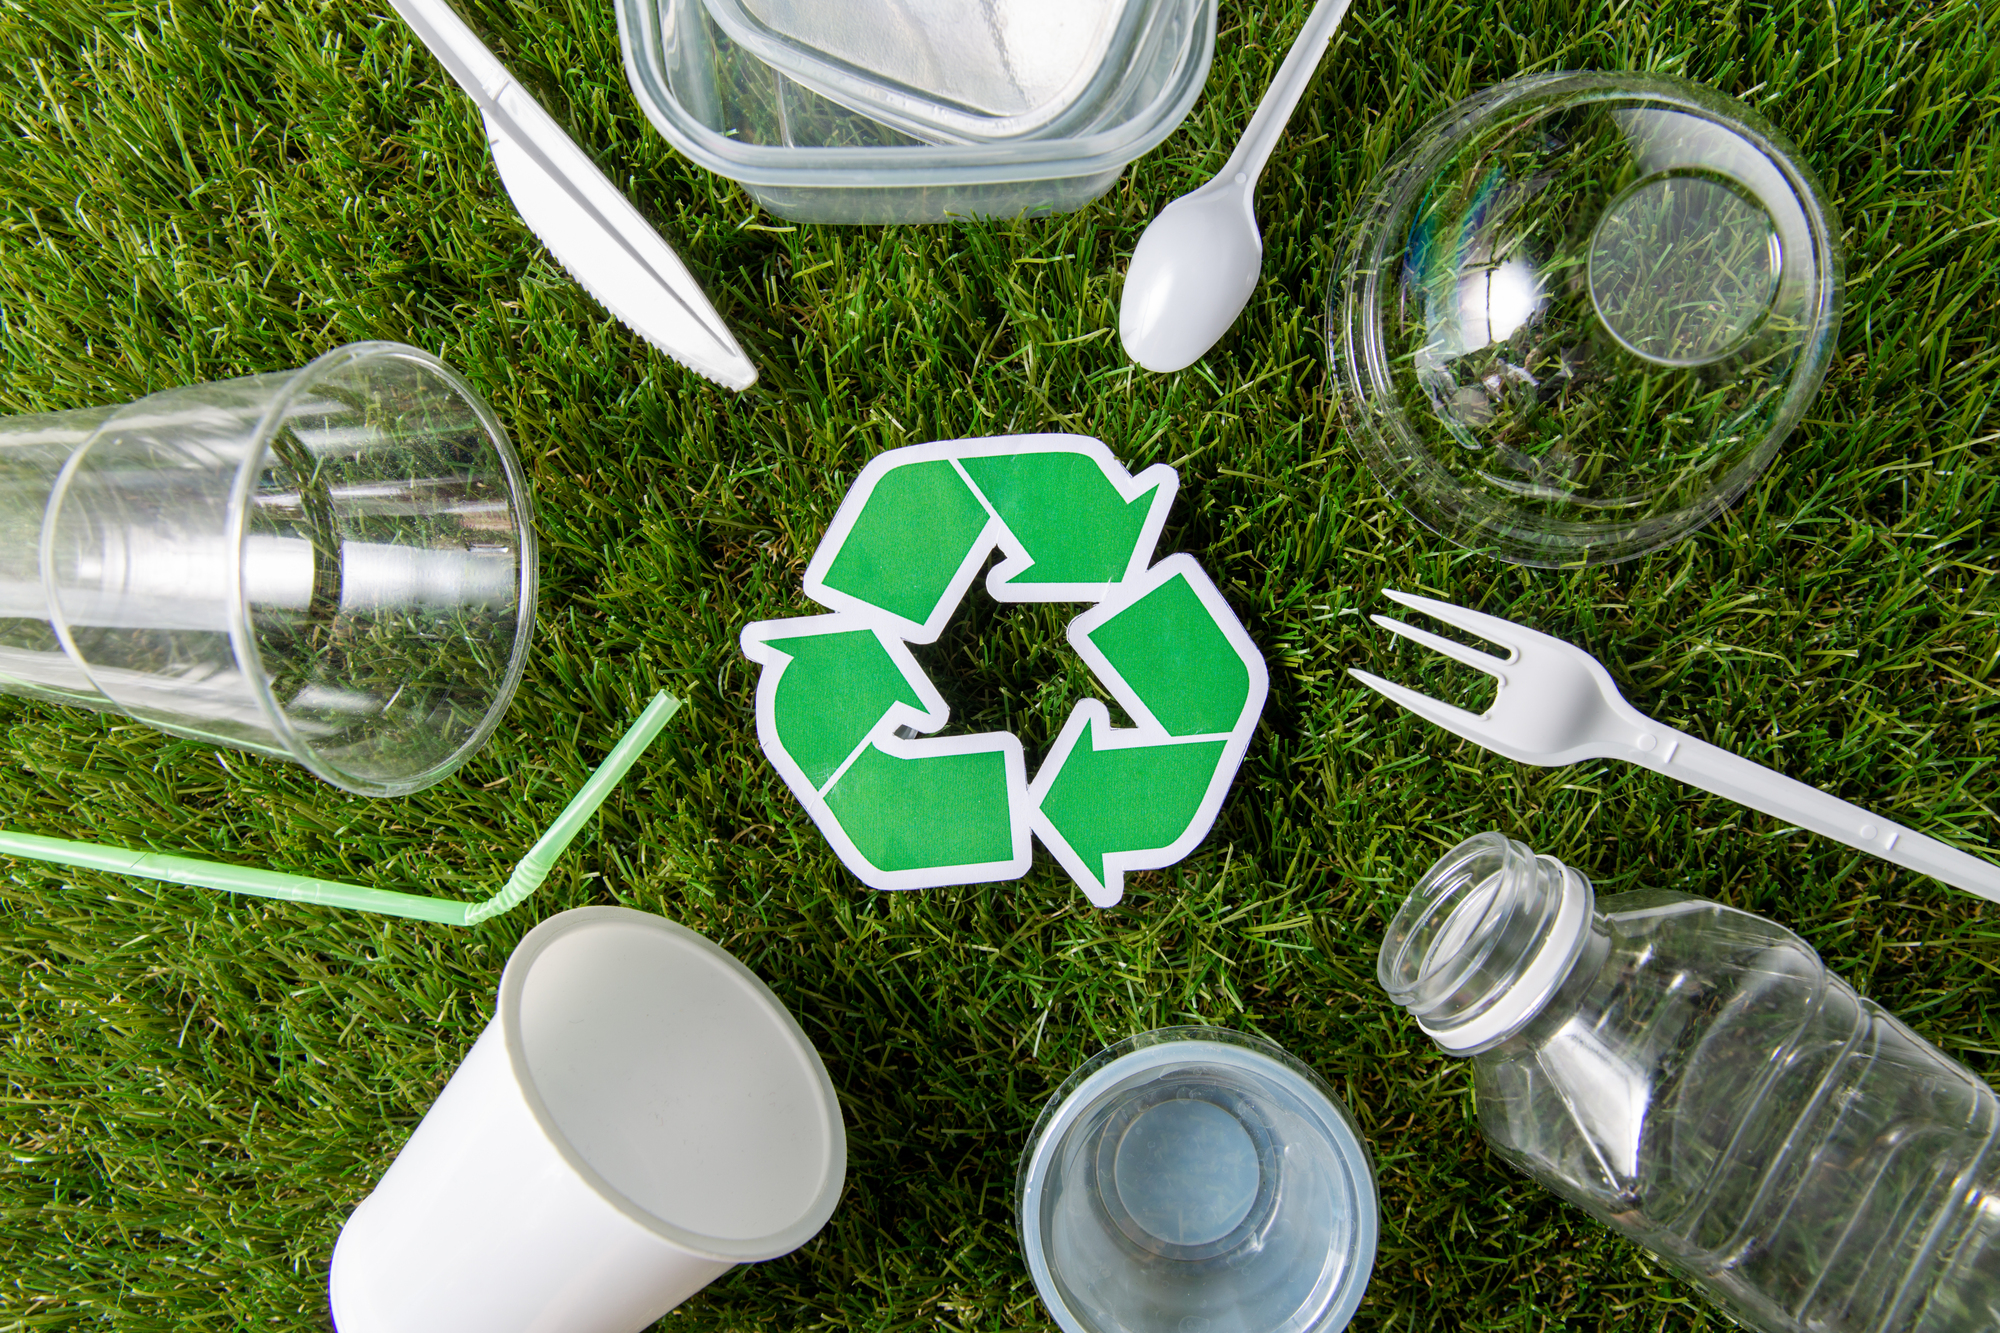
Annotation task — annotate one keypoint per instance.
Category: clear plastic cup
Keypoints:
(334, 565)
(1197, 1180)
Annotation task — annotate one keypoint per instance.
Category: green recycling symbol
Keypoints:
(846, 715)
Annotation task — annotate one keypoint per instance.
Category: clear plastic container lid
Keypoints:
(957, 71)
(1579, 312)
(1194, 1179)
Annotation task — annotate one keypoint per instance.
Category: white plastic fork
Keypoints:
(1558, 705)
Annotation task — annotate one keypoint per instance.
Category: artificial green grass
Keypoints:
(195, 1089)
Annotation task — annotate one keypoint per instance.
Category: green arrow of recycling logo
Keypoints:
(846, 715)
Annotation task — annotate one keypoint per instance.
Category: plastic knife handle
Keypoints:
(1699, 764)
(462, 54)
(586, 222)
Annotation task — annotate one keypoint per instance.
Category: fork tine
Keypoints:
(1455, 720)
(1492, 628)
(1437, 643)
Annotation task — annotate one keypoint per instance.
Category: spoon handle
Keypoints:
(1254, 149)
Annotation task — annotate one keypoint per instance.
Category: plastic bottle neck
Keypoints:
(1484, 940)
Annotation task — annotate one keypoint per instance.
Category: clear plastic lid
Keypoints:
(1193, 1179)
(962, 71)
(1579, 313)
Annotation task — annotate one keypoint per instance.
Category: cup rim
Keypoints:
(243, 634)
(507, 1013)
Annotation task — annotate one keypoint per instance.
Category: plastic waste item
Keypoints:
(1691, 1075)
(1194, 1178)
(1198, 261)
(640, 1116)
(955, 71)
(587, 223)
(529, 871)
(804, 156)
(1579, 313)
(1556, 704)
(334, 565)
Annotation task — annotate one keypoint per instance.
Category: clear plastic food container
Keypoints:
(791, 134)
(958, 71)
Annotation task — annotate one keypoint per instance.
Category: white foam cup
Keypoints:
(640, 1116)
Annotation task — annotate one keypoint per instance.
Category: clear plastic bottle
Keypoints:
(1693, 1077)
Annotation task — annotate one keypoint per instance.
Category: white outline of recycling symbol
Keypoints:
(904, 808)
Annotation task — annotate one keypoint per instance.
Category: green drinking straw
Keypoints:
(528, 874)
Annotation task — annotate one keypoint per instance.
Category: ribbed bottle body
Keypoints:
(1702, 1084)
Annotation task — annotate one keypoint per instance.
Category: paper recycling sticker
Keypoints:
(847, 716)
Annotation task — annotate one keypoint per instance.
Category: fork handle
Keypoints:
(1699, 764)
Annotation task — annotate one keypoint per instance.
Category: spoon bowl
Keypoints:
(1191, 276)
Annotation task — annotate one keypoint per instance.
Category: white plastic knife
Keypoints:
(587, 222)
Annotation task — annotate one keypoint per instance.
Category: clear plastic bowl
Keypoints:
(807, 157)
(1191, 1179)
(1579, 312)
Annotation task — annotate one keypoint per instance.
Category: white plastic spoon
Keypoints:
(1198, 261)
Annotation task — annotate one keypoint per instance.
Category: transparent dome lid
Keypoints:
(1579, 312)
(967, 71)
(1197, 1179)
